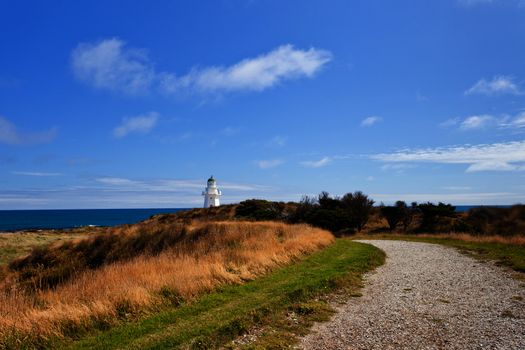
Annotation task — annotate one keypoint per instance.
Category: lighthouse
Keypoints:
(211, 194)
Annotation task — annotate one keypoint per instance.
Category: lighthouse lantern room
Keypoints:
(211, 194)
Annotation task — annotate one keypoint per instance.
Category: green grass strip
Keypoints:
(219, 317)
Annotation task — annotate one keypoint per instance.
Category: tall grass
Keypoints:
(465, 237)
(201, 258)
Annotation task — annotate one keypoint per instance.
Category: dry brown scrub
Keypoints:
(227, 253)
(513, 240)
(465, 237)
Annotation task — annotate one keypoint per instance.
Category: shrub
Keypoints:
(260, 210)
(497, 221)
(432, 214)
(400, 213)
(359, 207)
(339, 215)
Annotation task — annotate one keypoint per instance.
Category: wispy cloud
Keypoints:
(116, 181)
(369, 121)
(269, 163)
(457, 188)
(152, 194)
(509, 156)
(167, 185)
(259, 73)
(277, 141)
(517, 122)
(476, 122)
(34, 173)
(499, 85)
(449, 122)
(317, 163)
(110, 64)
(9, 134)
(397, 167)
(482, 121)
(139, 124)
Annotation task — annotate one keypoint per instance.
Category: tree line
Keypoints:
(351, 212)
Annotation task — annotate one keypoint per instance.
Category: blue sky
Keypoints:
(120, 104)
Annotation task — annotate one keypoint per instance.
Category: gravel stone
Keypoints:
(427, 296)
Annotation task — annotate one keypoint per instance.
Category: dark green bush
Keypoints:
(339, 215)
(259, 210)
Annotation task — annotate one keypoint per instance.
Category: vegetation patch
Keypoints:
(281, 305)
(67, 290)
(14, 245)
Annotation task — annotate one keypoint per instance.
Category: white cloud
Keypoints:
(449, 122)
(369, 121)
(9, 134)
(167, 185)
(317, 163)
(500, 84)
(116, 181)
(141, 124)
(257, 73)
(118, 192)
(494, 157)
(493, 165)
(271, 163)
(109, 64)
(517, 122)
(482, 121)
(476, 122)
(34, 173)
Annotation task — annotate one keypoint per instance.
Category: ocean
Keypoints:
(465, 208)
(17, 220)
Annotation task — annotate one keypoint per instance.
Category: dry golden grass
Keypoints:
(464, 237)
(514, 240)
(13, 245)
(228, 253)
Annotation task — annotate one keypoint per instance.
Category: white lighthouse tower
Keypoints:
(211, 194)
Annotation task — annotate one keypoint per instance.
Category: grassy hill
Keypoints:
(65, 289)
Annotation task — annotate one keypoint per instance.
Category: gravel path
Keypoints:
(427, 296)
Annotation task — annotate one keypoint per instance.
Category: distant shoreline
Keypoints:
(39, 220)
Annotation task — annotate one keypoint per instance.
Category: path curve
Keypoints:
(428, 296)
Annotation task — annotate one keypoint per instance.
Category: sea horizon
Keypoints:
(15, 220)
